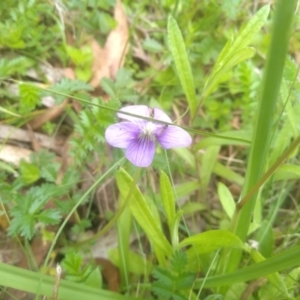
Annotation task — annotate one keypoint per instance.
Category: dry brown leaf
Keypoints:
(48, 115)
(13, 154)
(110, 273)
(10, 133)
(107, 61)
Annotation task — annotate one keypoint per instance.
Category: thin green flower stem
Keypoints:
(207, 273)
(115, 218)
(195, 131)
(284, 11)
(118, 163)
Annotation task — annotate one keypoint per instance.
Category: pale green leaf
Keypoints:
(286, 172)
(236, 58)
(208, 162)
(142, 213)
(182, 64)
(139, 265)
(226, 199)
(212, 240)
(228, 174)
(168, 199)
(245, 36)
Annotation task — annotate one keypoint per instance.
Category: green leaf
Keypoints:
(94, 279)
(235, 50)
(82, 56)
(215, 78)
(124, 230)
(49, 216)
(68, 87)
(108, 86)
(142, 213)
(208, 161)
(286, 172)
(244, 37)
(29, 172)
(226, 199)
(179, 261)
(187, 156)
(138, 265)
(212, 240)
(168, 200)
(152, 45)
(182, 64)
(8, 168)
(228, 174)
(30, 97)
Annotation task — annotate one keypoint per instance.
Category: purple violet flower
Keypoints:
(138, 136)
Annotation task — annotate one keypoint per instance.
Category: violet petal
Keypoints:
(173, 137)
(140, 110)
(121, 135)
(158, 114)
(141, 151)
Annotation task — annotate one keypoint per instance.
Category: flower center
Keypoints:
(148, 131)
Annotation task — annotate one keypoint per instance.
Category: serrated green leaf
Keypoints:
(179, 261)
(108, 86)
(212, 240)
(142, 213)
(185, 280)
(182, 64)
(163, 277)
(69, 87)
(30, 97)
(49, 216)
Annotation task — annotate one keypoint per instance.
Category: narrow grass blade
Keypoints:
(6, 111)
(32, 282)
(264, 122)
(282, 261)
